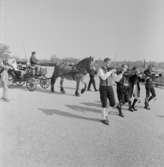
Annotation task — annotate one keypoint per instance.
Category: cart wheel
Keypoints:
(44, 83)
(31, 84)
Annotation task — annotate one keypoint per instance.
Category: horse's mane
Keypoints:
(84, 61)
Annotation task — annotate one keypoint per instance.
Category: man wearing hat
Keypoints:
(92, 74)
(107, 77)
(150, 90)
(4, 78)
(123, 88)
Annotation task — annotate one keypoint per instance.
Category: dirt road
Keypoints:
(41, 129)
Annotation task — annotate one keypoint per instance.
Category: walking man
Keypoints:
(150, 90)
(92, 79)
(134, 88)
(123, 89)
(107, 80)
(4, 79)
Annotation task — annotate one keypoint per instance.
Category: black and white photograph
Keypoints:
(81, 83)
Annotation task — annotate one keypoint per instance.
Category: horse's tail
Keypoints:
(53, 73)
(85, 88)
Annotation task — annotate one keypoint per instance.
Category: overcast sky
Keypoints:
(120, 29)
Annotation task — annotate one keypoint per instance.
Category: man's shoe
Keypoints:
(5, 99)
(134, 109)
(121, 115)
(89, 89)
(96, 90)
(131, 109)
(119, 111)
(105, 121)
(147, 107)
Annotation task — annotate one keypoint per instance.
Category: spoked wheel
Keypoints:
(44, 83)
(31, 84)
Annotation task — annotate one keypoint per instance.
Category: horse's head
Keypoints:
(85, 65)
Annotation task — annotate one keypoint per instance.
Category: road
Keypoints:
(41, 129)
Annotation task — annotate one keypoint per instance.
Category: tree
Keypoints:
(4, 51)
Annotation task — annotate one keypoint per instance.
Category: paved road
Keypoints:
(40, 129)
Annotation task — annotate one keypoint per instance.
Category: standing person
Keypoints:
(4, 79)
(107, 80)
(150, 90)
(92, 74)
(123, 89)
(134, 88)
(33, 53)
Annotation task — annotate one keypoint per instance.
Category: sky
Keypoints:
(119, 29)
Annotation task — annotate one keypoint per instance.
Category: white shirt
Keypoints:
(104, 76)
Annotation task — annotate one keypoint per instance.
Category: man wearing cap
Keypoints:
(4, 78)
(123, 88)
(150, 90)
(134, 87)
(107, 77)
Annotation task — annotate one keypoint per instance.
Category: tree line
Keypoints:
(5, 52)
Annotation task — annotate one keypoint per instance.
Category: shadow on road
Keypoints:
(83, 108)
(91, 104)
(66, 114)
(17, 87)
(38, 89)
(67, 87)
(160, 116)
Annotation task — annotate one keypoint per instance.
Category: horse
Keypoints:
(74, 72)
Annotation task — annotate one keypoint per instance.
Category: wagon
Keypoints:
(29, 76)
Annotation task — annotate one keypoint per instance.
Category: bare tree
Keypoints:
(4, 51)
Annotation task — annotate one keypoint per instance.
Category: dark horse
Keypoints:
(72, 72)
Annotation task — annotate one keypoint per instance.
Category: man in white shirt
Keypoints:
(4, 79)
(108, 77)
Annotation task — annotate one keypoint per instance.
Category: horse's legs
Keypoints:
(77, 87)
(61, 85)
(53, 80)
(84, 88)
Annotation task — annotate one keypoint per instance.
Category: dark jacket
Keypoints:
(148, 76)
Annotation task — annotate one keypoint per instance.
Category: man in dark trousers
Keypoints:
(134, 80)
(108, 77)
(150, 90)
(92, 74)
(128, 88)
(123, 89)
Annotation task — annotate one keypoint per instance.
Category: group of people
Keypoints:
(127, 83)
